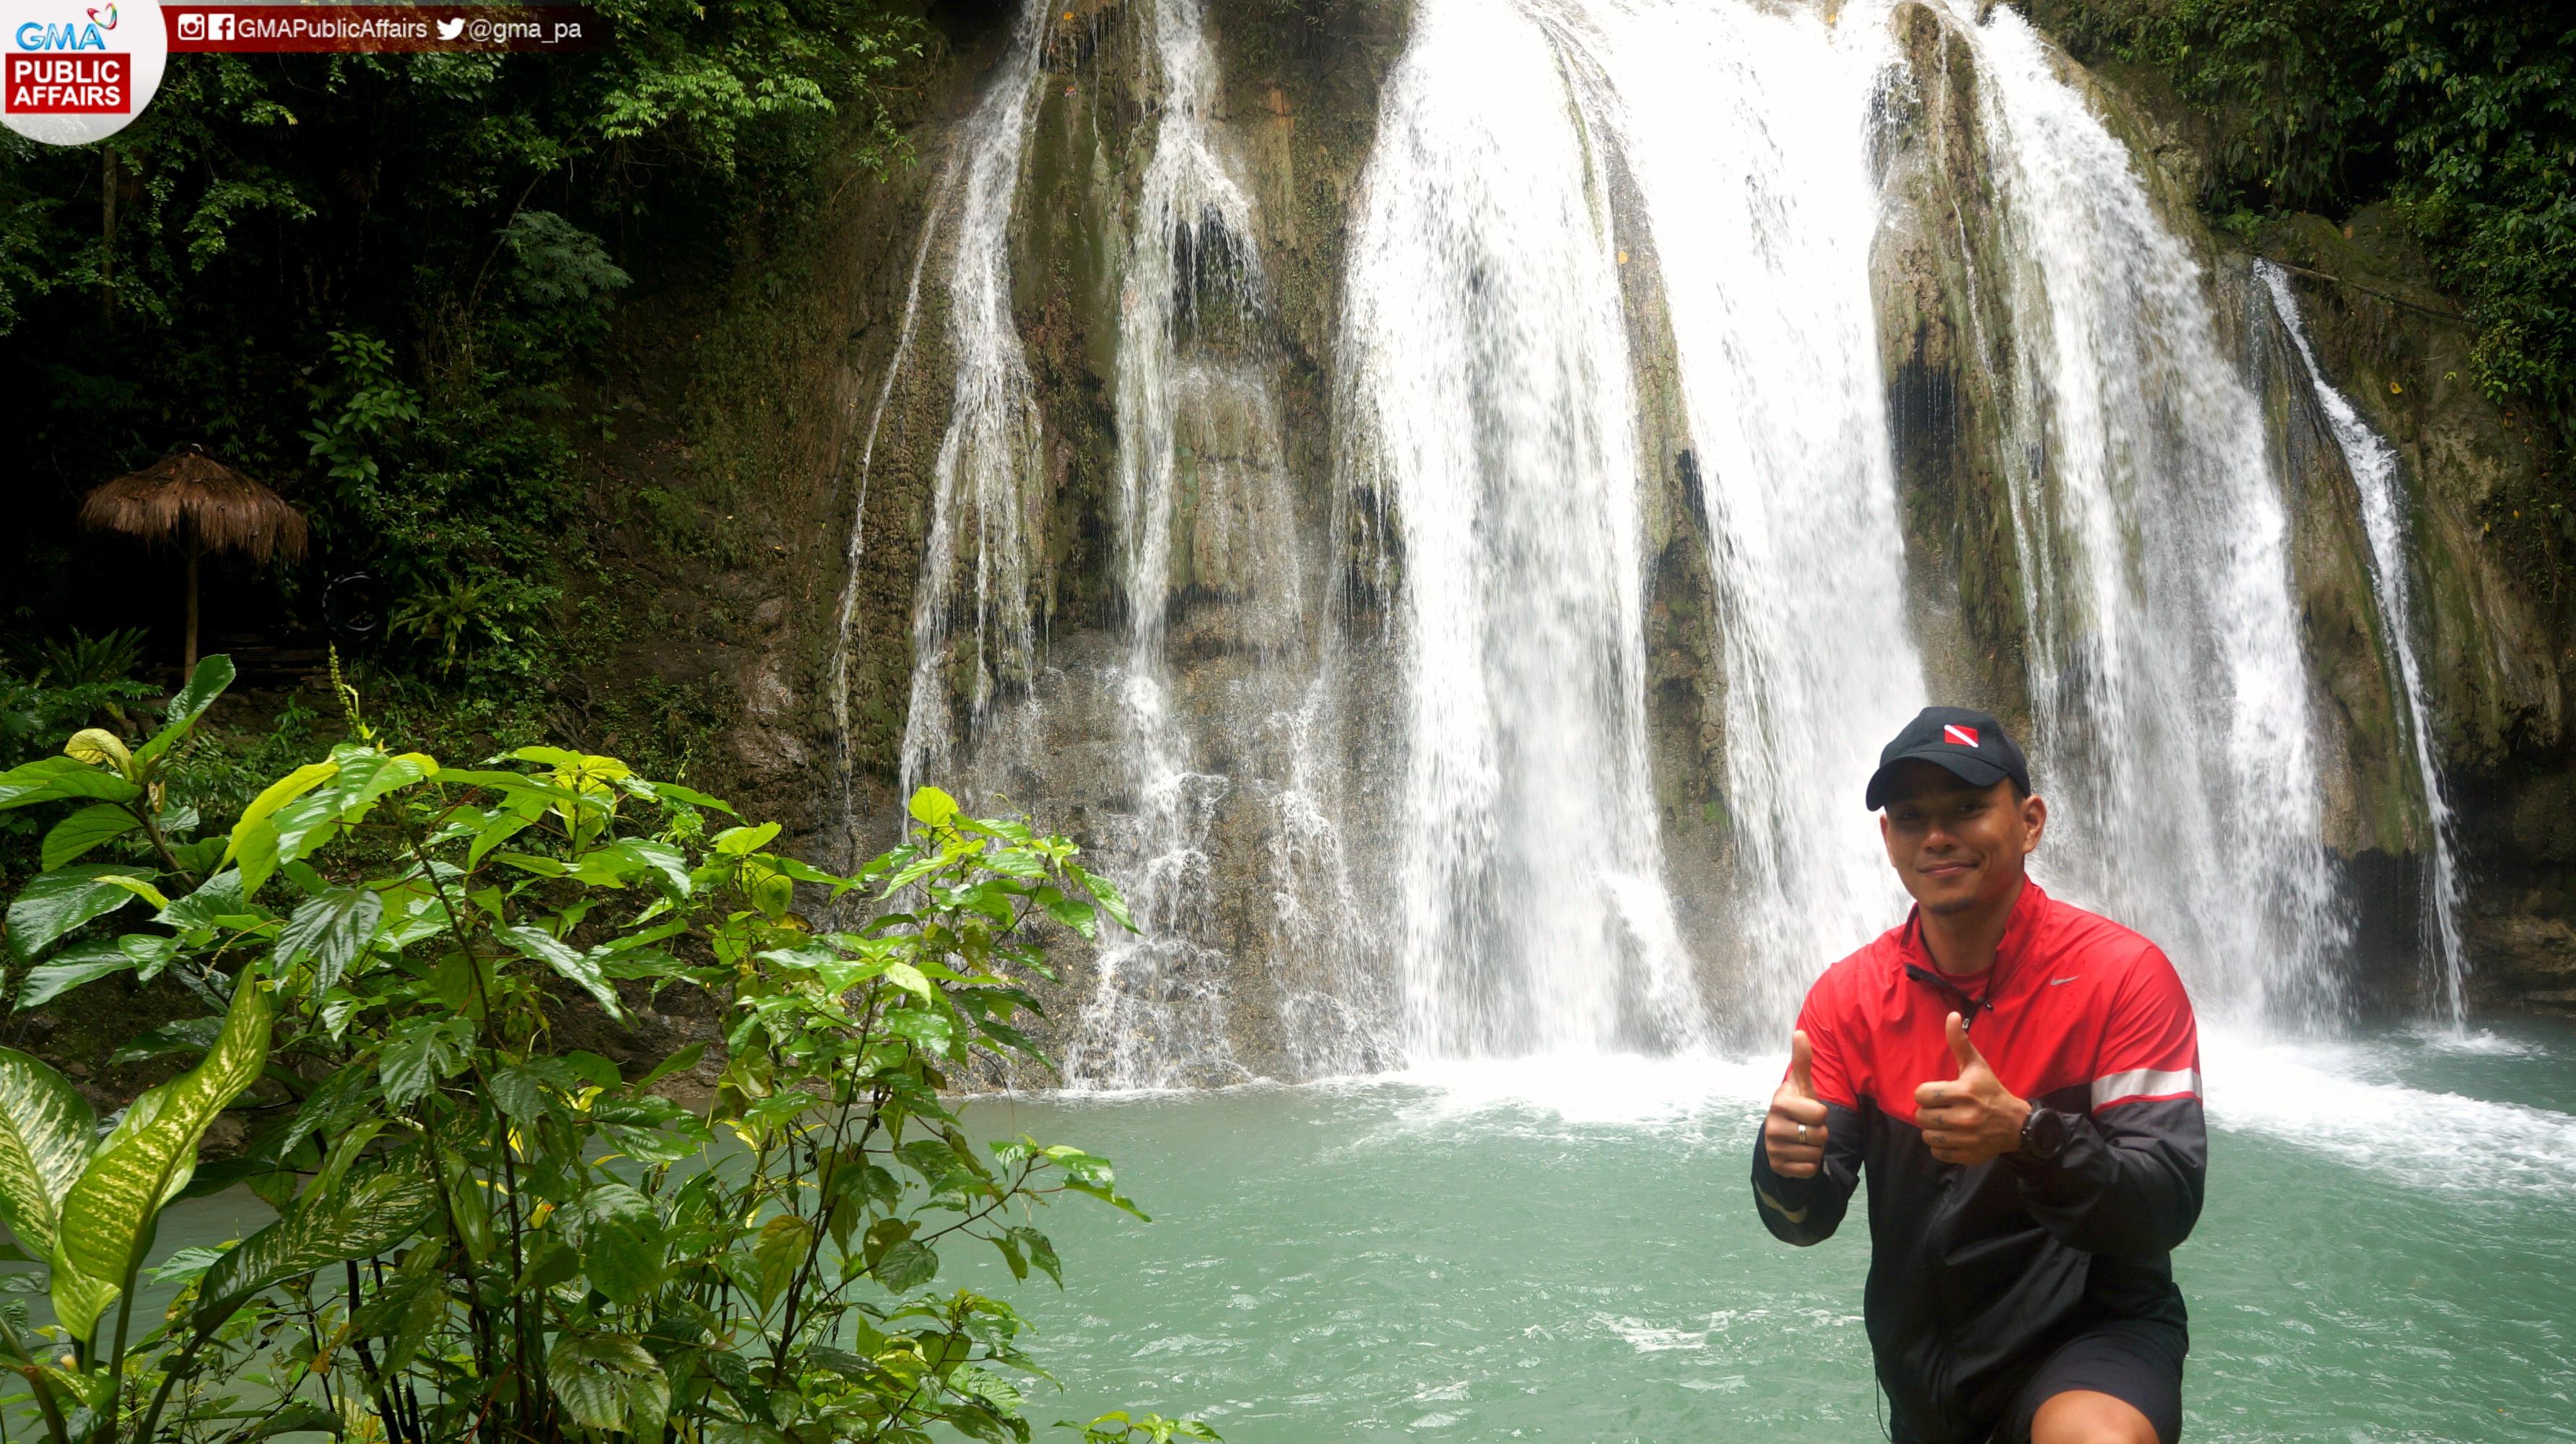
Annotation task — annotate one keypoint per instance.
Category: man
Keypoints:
(2020, 1081)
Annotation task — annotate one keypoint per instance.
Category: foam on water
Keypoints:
(2482, 1043)
(1611, 1089)
(2323, 1098)
(2345, 1101)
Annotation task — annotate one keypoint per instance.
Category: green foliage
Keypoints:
(379, 282)
(480, 1233)
(2462, 112)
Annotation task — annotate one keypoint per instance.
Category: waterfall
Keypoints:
(1746, 132)
(1489, 412)
(1383, 786)
(1196, 411)
(971, 629)
(2372, 464)
(2168, 688)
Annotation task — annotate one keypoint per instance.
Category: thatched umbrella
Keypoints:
(205, 506)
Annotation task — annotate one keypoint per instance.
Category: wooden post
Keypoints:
(189, 668)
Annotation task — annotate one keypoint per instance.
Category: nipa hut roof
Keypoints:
(193, 498)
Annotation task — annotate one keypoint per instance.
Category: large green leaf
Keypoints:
(420, 1053)
(54, 779)
(213, 675)
(47, 1131)
(70, 968)
(608, 1381)
(107, 1216)
(623, 1259)
(54, 903)
(932, 807)
(358, 1218)
(332, 928)
(779, 1250)
(255, 837)
(307, 813)
(542, 947)
(97, 823)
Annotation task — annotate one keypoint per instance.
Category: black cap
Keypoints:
(1971, 744)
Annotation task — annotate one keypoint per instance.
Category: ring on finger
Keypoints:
(1802, 1135)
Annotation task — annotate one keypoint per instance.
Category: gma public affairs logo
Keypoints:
(72, 72)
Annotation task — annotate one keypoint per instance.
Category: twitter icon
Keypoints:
(451, 28)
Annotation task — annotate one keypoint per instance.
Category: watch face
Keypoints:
(2046, 1133)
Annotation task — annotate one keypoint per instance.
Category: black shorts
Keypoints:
(2131, 1360)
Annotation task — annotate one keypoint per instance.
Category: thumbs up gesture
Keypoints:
(1793, 1134)
(1973, 1119)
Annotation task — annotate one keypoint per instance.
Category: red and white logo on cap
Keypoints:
(1962, 736)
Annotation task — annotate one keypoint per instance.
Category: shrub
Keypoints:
(484, 1234)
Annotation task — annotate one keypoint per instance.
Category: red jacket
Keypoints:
(1977, 1273)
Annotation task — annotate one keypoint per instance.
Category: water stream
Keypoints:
(973, 637)
(1491, 414)
(2168, 687)
(2372, 464)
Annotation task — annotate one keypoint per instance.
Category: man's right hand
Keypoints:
(1793, 1108)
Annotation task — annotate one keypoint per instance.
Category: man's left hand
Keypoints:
(1972, 1120)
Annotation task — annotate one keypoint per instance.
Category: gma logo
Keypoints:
(38, 35)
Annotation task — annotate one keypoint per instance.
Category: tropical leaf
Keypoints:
(608, 1381)
(778, 1251)
(107, 1215)
(932, 807)
(69, 969)
(357, 1219)
(212, 676)
(95, 824)
(255, 838)
(98, 747)
(47, 1131)
(54, 903)
(184, 1035)
(54, 779)
(332, 929)
(421, 1053)
(624, 1259)
(543, 947)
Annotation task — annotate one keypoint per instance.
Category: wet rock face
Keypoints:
(1936, 278)
(2493, 648)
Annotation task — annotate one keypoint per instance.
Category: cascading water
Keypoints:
(1488, 409)
(1502, 433)
(1745, 130)
(2168, 687)
(1195, 409)
(2372, 464)
(971, 631)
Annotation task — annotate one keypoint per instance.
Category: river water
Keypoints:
(1534, 1253)
(1567, 1250)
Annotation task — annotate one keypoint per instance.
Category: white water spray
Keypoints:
(2372, 464)
(971, 624)
(1488, 408)
(1193, 412)
(1745, 130)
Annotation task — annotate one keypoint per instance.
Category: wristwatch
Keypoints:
(2043, 1134)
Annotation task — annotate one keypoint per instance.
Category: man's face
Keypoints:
(1956, 846)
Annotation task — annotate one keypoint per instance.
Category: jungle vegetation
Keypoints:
(482, 1232)
(2461, 114)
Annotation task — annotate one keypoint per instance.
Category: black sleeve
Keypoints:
(2129, 1180)
(1805, 1211)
